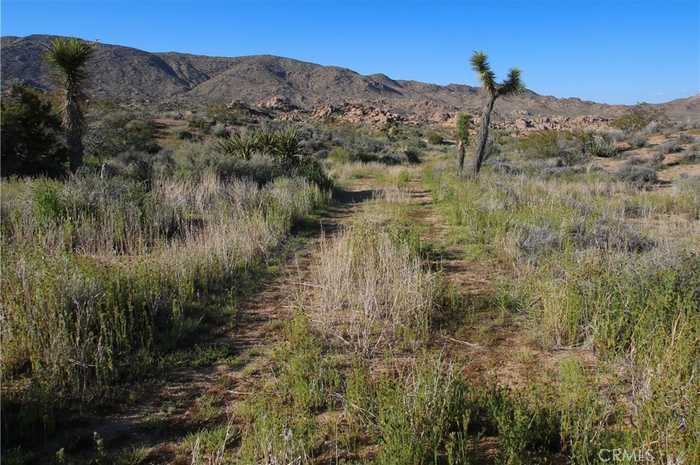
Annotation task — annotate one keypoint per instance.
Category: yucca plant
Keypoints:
(287, 148)
(511, 85)
(239, 145)
(69, 57)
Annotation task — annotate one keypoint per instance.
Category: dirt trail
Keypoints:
(167, 410)
(488, 342)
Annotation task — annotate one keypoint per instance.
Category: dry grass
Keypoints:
(101, 275)
(372, 291)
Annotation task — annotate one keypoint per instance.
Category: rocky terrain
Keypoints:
(296, 89)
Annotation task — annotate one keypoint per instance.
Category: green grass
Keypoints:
(592, 268)
(96, 295)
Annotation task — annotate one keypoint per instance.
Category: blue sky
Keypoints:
(611, 51)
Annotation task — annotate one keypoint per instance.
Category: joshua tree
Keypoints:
(463, 120)
(511, 85)
(69, 57)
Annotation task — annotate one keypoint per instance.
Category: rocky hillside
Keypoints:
(128, 74)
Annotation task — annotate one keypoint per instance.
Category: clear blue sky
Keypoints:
(612, 51)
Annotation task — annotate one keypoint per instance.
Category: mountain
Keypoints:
(128, 74)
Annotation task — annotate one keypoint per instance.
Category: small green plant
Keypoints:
(424, 416)
(584, 416)
(528, 427)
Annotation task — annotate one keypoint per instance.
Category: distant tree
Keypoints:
(69, 57)
(511, 85)
(462, 128)
(32, 143)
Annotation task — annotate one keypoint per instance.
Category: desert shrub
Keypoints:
(527, 426)
(198, 123)
(599, 145)
(141, 166)
(638, 140)
(553, 145)
(231, 115)
(373, 290)
(691, 154)
(340, 155)
(32, 142)
(540, 144)
(638, 118)
(637, 175)
(428, 413)
(615, 135)
(685, 138)
(642, 311)
(652, 128)
(120, 131)
(435, 138)
(670, 146)
(609, 235)
(195, 159)
(184, 134)
(535, 241)
(412, 155)
(313, 171)
(219, 130)
(614, 303)
(627, 290)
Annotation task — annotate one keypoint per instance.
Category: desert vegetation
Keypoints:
(210, 284)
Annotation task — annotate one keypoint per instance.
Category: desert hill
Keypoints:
(128, 74)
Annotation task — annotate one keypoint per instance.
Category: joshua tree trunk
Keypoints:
(72, 122)
(460, 148)
(483, 134)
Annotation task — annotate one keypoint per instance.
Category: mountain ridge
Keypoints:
(130, 74)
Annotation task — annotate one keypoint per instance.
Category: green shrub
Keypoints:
(435, 138)
(47, 202)
(340, 155)
(528, 426)
(412, 155)
(599, 145)
(638, 117)
(540, 144)
(118, 132)
(32, 142)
